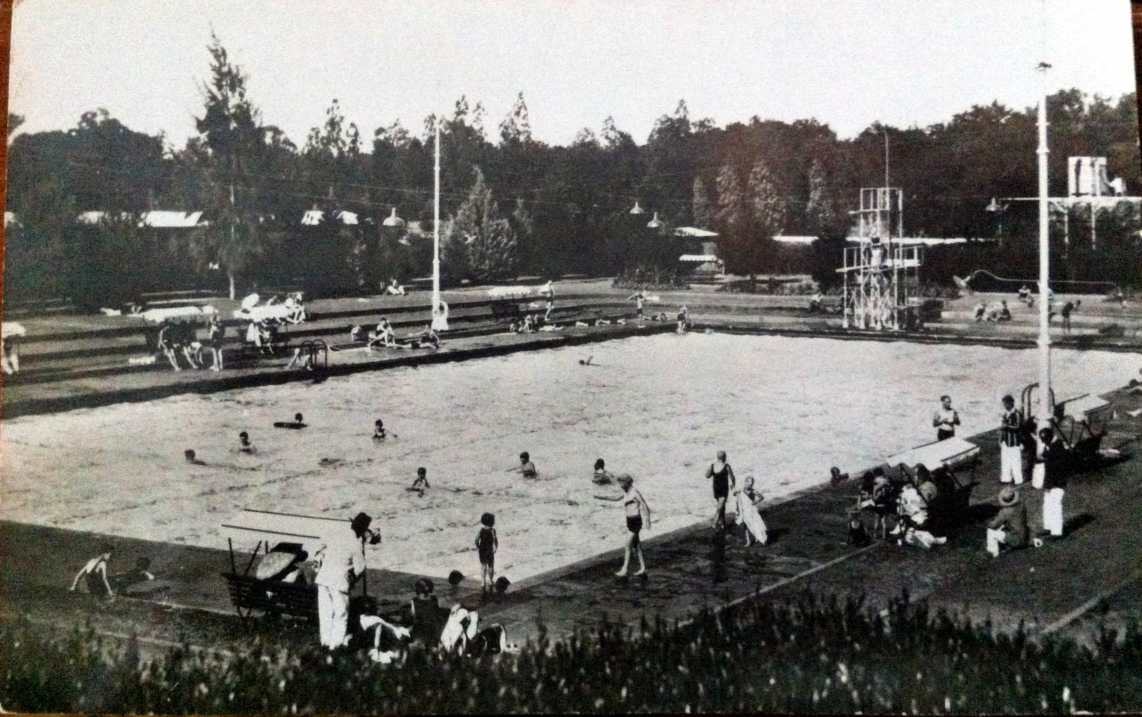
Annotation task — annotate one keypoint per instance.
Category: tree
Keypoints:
(231, 130)
(700, 207)
(516, 127)
(479, 243)
(731, 214)
(766, 207)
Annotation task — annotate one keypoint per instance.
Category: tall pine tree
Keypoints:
(700, 208)
(480, 244)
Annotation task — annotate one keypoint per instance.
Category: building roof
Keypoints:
(694, 232)
(795, 239)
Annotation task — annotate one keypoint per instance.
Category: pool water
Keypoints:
(784, 410)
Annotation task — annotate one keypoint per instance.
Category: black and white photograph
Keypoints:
(506, 356)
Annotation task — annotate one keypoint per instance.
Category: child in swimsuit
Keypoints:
(244, 445)
(486, 545)
(601, 475)
(723, 477)
(421, 482)
(634, 505)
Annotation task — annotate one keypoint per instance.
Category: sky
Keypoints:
(848, 64)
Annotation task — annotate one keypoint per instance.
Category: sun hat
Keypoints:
(1008, 496)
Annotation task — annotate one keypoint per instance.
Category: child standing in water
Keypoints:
(421, 483)
(487, 544)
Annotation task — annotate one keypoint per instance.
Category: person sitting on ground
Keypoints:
(427, 337)
(462, 634)
(927, 488)
(858, 536)
(254, 335)
(296, 308)
(141, 573)
(835, 475)
(303, 357)
(1009, 526)
(1025, 295)
(267, 336)
(370, 620)
(683, 319)
(601, 476)
(190, 346)
(428, 618)
(979, 311)
(913, 527)
(244, 444)
(394, 288)
(1004, 312)
(815, 302)
(421, 483)
(10, 354)
(94, 574)
(526, 468)
(383, 335)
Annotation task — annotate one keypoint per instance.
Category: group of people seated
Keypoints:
(384, 336)
(530, 324)
(994, 312)
(906, 497)
(455, 630)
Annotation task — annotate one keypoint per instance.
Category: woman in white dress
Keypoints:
(749, 515)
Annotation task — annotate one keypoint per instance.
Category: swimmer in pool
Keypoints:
(421, 483)
(192, 457)
(298, 422)
(587, 362)
(244, 445)
(526, 468)
(601, 476)
(379, 430)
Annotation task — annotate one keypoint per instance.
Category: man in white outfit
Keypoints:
(1054, 482)
(1010, 444)
(342, 564)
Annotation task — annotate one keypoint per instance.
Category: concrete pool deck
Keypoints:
(1096, 571)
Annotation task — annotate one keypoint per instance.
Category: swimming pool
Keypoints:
(784, 409)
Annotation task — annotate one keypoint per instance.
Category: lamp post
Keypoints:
(439, 316)
(1044, 261)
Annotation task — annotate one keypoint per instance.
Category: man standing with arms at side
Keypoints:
(945, 419)
(1010, 443)
(342, 564)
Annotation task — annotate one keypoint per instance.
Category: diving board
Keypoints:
(1083, 407)
(947, 453)
(264, 525)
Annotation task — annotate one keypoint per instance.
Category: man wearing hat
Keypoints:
(342, 563)
(1009, 526)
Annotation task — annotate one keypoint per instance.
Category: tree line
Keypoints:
(512, 204)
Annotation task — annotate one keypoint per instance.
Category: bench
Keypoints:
(271, 597)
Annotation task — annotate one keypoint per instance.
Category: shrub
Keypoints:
(812, 656)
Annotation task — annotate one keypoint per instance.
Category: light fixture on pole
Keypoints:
(636, 209)
(439, 314)
(1044, 262)
(654, 223)
(393, 220)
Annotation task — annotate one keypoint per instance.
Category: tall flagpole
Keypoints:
(1044, 257)
(439, 318)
